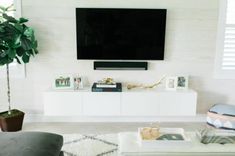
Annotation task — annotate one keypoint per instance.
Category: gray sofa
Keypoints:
(30, 144)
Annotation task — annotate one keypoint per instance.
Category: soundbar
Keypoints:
(108, 65)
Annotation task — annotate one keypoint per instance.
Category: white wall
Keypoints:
(190, 49)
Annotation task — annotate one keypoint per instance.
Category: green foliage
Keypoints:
(17, 40)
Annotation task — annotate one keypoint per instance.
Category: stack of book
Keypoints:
(104, 87)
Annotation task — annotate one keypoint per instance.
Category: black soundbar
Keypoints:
(103, 65)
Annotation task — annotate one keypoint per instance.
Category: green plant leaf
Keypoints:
(25, 58)
(33, 38)
(35, 44)
(2, 30)
(9, 18)
(28, 32)
(3, 61)
(6, 60)
(36, 51)
(12, 53)
(10, 31)
(17, 42)
(20, 51)
(23, 20)
(3, 53)
(26, 44)
(19, 27)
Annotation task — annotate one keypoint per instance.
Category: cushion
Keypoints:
(222, 116)
(30, 144)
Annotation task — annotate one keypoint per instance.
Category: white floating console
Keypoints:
(133, 103)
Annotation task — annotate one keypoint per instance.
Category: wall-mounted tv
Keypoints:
(120, 34)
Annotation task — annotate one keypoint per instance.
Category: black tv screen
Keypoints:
(120, 34)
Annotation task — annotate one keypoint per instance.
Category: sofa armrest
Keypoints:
(30, 144)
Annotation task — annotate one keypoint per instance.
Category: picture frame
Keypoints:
(78, 82)
(182, 82)
(171, 83)
(64, 82)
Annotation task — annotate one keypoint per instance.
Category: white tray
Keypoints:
(165, 143)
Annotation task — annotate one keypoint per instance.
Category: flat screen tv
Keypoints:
(120, 34)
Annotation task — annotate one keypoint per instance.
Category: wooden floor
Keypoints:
(101, 128)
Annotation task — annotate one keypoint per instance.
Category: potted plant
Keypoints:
(17, 43)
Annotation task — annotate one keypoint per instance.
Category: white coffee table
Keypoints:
(129, 146)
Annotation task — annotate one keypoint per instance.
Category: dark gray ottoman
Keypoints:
(30, 144)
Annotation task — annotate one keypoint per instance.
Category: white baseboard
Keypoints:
(41, 118)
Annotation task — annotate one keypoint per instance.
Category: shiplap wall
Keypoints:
(190, 50)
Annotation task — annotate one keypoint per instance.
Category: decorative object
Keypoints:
(209, 135)
(132, 86)
(152, 137)
(64, 82)
(171, 83)
(78, 82)
(107, 81)
(221, 116)
(150, 133)
(17, 42)
(182, 82)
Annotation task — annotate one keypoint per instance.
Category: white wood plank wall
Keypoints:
(190, 49)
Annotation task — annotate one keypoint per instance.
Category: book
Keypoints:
(103, 85)
(118, 88)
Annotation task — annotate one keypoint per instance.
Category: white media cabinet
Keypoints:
(129, 103)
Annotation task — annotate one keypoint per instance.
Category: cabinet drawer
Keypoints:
(140, 104)
(178, 104)
(101, 104)
(63, 103)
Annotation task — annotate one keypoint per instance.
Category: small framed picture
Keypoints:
(182, 82)
(78, 82)
(171, 83)
(63, 82)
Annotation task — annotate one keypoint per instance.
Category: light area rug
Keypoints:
(90, 145)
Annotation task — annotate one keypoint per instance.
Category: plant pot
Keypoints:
(12, 122)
